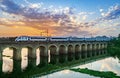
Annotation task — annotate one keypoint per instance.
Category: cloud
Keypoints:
(113, 13)
(101, 10)
(60, 21)
(10, 7)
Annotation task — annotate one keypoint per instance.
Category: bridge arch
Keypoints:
(8, 52)
(62, 49)
(83, 47)
(77, 48)
(88, 47)
(97, 46)
(31, 52)
(16, 53)
(70, 49)
(53, 50)
(43, 50)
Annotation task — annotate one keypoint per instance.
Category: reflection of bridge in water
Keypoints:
(56, 60)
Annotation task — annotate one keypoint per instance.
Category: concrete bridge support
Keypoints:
(1, 62)
(43, 51)
(17, 66)
(31, 63)
(89, 49)
(31, 53)
(0, 54)
(16, 54)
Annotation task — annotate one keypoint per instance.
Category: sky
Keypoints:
(59, 17)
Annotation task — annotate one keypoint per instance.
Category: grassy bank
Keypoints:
(101, 74)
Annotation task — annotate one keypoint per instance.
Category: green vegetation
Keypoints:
(101, 74)
(114, 47)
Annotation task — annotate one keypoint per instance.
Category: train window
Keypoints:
(37, 38)
(59, 38)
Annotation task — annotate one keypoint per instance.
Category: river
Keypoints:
(99, 62)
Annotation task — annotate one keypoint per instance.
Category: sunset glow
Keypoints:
(60, 18)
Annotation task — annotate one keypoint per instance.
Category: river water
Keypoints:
(7, 65)
(106, 64)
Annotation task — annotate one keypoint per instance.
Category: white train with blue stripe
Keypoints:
(30, 38)
(41, 38)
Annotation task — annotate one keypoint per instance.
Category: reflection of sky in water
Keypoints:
(7, 64)
(24, 61)
(38, 56)
(67, 74)
(7, 61)
(107, 64)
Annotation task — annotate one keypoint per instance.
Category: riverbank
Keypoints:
(95, 73)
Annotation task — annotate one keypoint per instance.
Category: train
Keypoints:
(41, 38)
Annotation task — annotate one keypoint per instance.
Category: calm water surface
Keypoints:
(107, 64)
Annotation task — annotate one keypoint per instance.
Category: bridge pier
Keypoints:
(43, 51)
(17, 66)
(31, 63)
(77, 56)
(32, 53)
(0, 55)
(17, 54)
(1, 63)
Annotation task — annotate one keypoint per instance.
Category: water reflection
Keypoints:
(17, 67)
(24, 61)
(7, 65)
(67, 74)
(107, 64)
(8, 61)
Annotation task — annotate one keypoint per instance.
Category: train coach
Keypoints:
(30, 38)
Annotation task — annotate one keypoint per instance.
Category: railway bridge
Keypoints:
(51, 47)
